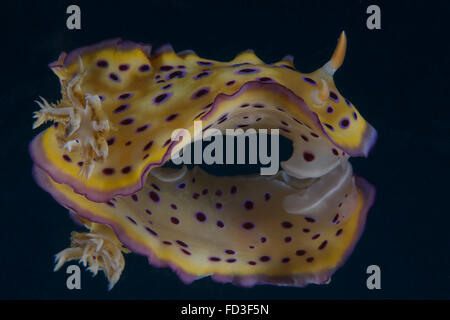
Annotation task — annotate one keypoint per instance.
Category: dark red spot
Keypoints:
(174, 220)
(288, 239)
(285, 260)
(127, 121)
(148, 146)
(220, 224)
(200, 216)
(102, 63)
(126, 169)
(323, 245)
(286, 224)
(300, 252)
(67, 158)
(308, 156)
(181, 243)
(310, 259)
(108, 171)
(214, 259)
(248, 204)
(314, 237)
(338, 233)
(309, 219)
(229, 251)
(264, 259)
(248, 225)
(154, 196)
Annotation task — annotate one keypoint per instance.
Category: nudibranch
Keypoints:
(103, 158)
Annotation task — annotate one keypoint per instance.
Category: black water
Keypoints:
(396, 76)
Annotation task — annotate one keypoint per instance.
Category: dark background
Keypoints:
(396, 76)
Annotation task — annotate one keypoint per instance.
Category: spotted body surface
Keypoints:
(113, 127)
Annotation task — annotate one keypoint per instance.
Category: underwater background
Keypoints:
(397, 77)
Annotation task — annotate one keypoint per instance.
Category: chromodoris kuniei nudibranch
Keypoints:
(103, 158)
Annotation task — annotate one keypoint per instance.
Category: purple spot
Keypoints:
(214, 259)
(232, 260)
(258, 106)
(126, 169)
(167, 86)
(231, 252)
(121, 108)
(176, 74)
(166, 143)
(113, 76)
(174, 220)
(143, 128)
(285, 260)
(102, 63)
(167, 243)
(252, 263)
(265, 79)
(174, 206)
(155, 187)
(181, 185)
(131, 219)
(219, 206)
(329, 126)
(161, 97)
(200, 216)
(248, 225)
(166, 68)
(154, 196)
(233, 190)
(125, 96)
(127, 121)
(330, 109)
(148, 146)
(310, 81)
(151, 231)
(304, 138)
(306, 230)
(144, 68)
(230, 83)
(108, 171)
(220, 224)
(348, 102)
(186, 252)
(109, 203)
(201, 75)
(300, 252)
(288, 239)
(204, 191)
(248, 204)
(204, 63)
(201, 92)
(314, 237)
(263, 239)
(310, 259)
(148, 212)
(334, 96)
(134, 197)
(124, 67)
(67, 158)
(344, 123)
(267, 196)
(335, 152)
(181, 243)
(315, 135)
(171, 117)
(338, 233)
(264, 259)
(247, 70)
(309, 219)
(286, 224)
(323, 245)
(355, 116)
(195, 195)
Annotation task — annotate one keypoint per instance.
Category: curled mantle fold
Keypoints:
(112, 131)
